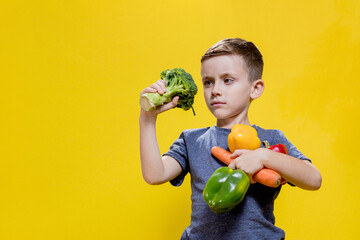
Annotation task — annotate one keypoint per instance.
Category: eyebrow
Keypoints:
(222, 76)
(228, 75)
(207, 78)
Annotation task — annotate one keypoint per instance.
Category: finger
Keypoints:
(162, 83)
(232, 165)
(249, 174)
(238, 152)
(175, 100)
(168, 105)
(148, 90)
(160, 86)
(152, 89)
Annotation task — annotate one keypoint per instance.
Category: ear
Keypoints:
(257, 89)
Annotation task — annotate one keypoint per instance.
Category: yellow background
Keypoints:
(71, 74)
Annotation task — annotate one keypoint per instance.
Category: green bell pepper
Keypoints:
(225, 189)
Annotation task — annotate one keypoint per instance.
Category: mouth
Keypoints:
(217, 103)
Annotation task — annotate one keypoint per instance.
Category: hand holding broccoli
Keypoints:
(177, 88)
(160, 88)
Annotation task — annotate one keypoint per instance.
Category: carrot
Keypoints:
(265, 176)
(268, 177)
(222, 154)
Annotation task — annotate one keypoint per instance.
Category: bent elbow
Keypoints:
(316, 183)
(152, 181)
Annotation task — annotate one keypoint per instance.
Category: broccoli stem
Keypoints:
(149, 101)
(145, 103)
(193, 110)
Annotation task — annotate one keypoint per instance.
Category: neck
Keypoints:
(229, 122)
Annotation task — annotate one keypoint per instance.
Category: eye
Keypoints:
(228, 80)
(207, 83)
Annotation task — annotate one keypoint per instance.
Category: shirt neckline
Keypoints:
(229, 129)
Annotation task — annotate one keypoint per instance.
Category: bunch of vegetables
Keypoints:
(226, 188)
(178, 83)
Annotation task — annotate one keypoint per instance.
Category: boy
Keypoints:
(231, 74)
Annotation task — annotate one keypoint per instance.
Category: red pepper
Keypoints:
(281, 148)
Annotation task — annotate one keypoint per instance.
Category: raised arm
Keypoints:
(155, 168)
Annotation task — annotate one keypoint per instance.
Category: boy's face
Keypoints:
(226, 87)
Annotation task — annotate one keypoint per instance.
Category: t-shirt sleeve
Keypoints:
(178, 151)
(293, 151)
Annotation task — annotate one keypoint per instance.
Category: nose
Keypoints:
(216, 91)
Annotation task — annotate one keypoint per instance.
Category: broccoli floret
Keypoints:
(178, 83)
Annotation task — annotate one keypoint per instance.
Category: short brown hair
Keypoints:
(237, 46)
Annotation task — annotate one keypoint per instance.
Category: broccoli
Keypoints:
(178, 83)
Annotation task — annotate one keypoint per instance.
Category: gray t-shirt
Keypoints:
(253, 218)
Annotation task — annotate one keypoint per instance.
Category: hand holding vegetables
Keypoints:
(265, 176)
(226, 187)
(178, 83)
(245, 137)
